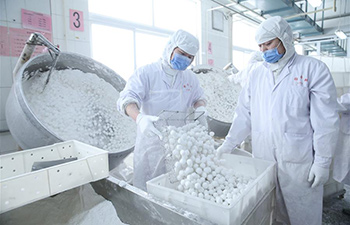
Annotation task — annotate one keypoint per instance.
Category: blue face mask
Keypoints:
(272, 55)
(180, 62)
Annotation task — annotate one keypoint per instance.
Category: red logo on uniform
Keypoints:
(187, 87)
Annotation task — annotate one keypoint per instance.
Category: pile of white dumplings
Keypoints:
(221, 94)
(81, 106)
(197, 168)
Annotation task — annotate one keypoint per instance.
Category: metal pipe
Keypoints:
(33, 40)
(248, 9)
(220, 7)
(315, 17)
(25, 54)
(322, 14)
(306, 13)
(237, 3)
(335, 17)
(258, 22)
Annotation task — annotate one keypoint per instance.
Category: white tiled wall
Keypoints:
(68, 40)
(220, 41)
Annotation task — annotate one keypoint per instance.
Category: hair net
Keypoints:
(276, 27)
(182, 39)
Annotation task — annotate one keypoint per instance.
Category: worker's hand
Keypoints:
(318, 175)
(224, 148)
(231, 78)
(203, 118)
(146, 125)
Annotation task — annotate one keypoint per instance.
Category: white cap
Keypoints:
(274, 27)
(184, 40)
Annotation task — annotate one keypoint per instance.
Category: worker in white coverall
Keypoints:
(289, 107)
(162, 85)
(341, 163)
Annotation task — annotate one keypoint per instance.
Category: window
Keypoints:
(149, 48)
(114, 47)
(243, 41)
(243, 35)
(137, 11)
(174, 15)
(128, 34)
(240, 59)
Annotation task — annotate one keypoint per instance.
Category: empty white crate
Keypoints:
(261, 188)
(20, 186)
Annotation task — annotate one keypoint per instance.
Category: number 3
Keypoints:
(77, 19)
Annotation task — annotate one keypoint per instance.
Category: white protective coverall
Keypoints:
(156, 87)
(341, 163)
(292, 120)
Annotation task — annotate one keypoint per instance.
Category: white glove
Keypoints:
(318, 175)
(231, 78)
(203, 118)
(223, 149)
(146, 125)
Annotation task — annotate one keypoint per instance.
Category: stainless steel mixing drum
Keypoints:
(25, 127)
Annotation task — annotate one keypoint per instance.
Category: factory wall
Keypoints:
(216, 36)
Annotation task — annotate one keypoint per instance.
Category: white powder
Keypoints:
(79, 206)
(222, 95)
(80, 106)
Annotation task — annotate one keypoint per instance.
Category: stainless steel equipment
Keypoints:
(220, 128)
(34, 40)
(25, 127)
(135, 206)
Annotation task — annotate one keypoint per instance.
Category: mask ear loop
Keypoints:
(279, 44)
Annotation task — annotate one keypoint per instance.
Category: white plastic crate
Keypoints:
(263, 173)
(19, 186)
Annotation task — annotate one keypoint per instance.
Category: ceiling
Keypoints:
(312, 27)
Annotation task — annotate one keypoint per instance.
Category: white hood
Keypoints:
(277, 27)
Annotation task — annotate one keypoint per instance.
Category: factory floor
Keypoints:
(332, 209)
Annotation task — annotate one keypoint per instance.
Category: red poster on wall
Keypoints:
(36, 21)
(210, 51)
